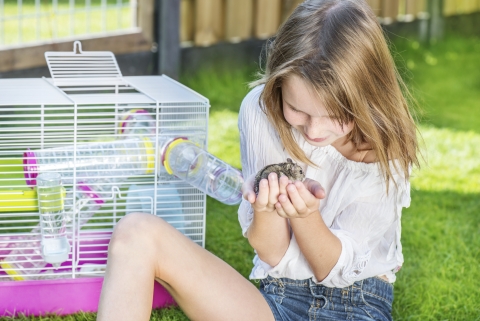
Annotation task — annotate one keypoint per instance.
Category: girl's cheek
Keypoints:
(346, 128)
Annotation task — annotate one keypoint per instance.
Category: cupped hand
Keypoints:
(269, 190)
(301, 199)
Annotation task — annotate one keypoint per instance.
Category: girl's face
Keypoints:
(303, 110)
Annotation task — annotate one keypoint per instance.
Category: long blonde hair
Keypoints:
(339, 47)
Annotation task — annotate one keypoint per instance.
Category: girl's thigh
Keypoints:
(204, 286)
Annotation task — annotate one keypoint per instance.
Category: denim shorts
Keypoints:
(295, 300)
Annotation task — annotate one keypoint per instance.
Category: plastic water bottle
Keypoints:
(55, 245)
(206, 172)
(117, 159)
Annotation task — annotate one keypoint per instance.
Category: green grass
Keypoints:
(440, 279)
(445, 78)
(54, 23)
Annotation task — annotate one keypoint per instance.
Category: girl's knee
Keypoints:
(134, 230)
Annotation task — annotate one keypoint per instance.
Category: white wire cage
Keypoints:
(105, 135)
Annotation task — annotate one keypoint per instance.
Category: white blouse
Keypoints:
(356, 208)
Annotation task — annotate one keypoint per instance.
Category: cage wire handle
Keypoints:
(77, 45)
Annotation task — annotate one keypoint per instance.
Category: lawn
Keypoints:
(66, 19)
(440, 279)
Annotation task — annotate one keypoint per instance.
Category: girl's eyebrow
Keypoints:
(290, 105)
(298, 110)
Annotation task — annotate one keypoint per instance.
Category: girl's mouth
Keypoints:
(316, 140)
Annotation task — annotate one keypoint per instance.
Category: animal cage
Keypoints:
(77, 153)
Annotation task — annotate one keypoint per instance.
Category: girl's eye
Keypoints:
(295, 110)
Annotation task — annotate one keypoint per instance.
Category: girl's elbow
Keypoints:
(266, 255)
(320, 275)
(271, 260)
(321, 272)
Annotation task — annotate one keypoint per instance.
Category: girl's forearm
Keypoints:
(317, 243)
(269, 235)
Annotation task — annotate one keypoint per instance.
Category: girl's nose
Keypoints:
(314, 127)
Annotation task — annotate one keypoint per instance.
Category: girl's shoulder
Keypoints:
(251, 102)
(251, 111)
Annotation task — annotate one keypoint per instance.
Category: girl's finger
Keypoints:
(263, 191)
(283, 182)
(296, 199)
(273, 188)
(247, 189)
(287, 206)
(280, 210)
(307, 197)
(315, 188)
(251, 197)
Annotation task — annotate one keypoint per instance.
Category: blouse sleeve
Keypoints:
(363, 228)
(259, 146)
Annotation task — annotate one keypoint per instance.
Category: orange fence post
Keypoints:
(187, 20)
(410, 10)
(389, 11)
(472, 6)
(288, 6)
(466, 6)
(449, 7)
(461, 6)
(267, 17)
(421, 7)
(376, 6)
(239, 20)
(145, 18)
(208, 22)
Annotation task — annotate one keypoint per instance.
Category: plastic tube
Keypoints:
(201, 169)
(118, 159)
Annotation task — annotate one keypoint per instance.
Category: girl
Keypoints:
(326, 248)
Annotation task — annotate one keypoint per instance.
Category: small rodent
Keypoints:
(290, 169)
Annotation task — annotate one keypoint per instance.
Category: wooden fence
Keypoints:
(206, 22)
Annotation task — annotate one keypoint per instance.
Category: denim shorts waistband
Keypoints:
(373, 286)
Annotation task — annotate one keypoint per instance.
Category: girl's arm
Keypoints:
(260, 145)
(269, 233)
(317, 243)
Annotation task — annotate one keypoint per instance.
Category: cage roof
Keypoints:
(93, 77)
(30, 91)
(149, 89)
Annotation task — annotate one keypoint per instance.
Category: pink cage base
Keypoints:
(63, 296)
(67, 295)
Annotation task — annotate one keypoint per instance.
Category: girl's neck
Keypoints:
(363, 153)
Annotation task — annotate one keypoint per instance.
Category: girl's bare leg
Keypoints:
(144, 248)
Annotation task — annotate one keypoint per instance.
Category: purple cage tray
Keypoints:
(65, 295)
